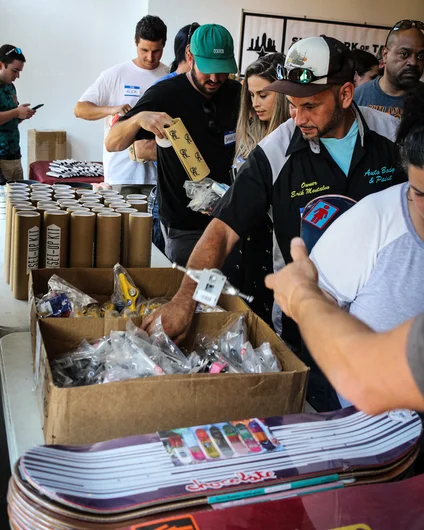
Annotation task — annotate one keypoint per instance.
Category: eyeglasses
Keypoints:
(191, 30)
(405, 24)
(210, 110)
(302, 76)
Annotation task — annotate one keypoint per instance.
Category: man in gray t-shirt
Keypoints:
(404, 65)
(375, 371)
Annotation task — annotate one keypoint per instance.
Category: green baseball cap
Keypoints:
(213, 49)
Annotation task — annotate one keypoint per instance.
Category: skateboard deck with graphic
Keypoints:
(148, 473)
(319, 214)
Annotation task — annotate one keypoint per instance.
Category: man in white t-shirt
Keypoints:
(116, 91)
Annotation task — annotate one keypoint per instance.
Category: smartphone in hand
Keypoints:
(38, 106)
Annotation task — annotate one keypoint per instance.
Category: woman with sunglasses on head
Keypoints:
(261, 112)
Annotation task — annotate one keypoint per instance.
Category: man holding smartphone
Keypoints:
(11, 113)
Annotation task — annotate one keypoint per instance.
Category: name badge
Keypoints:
(229, 137)
(132, 90)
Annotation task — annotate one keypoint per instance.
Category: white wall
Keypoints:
(68, 43)
(228, 12)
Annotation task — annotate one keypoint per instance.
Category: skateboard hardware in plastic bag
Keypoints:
(204, 194)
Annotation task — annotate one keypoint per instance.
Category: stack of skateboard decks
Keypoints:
(122, 482)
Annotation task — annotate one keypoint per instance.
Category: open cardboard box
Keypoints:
(95, 413)
(98, 283)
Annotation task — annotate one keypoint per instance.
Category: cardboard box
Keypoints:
(46, 145)
(90, 414)
(98, 283)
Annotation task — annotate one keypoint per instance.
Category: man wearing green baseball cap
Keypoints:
(213, 50)
(207, 102)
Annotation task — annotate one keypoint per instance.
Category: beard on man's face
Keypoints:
(334, 121)
(206, 88)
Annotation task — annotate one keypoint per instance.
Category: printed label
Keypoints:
(401, 415)
(229, 137)
(33, 246)
(53, 240)
(132, 91)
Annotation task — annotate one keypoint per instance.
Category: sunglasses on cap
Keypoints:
(406, 24)
(302, 76)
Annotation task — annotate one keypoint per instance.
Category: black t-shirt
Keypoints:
(178, 98)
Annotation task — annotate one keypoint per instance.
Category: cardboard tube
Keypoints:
(83, 228)
(82, 191)
(97, 209)
(187, 151)
(40, 186)
(16, 192)
(125, 228)
(35, 199)
(40, 204)
(118, 204)
(41, 210)
(136, 196)
(105, 193)
(16, 186)
(140, 206)
(26, 246)
(55, 237)
(66, 203)
(63, 196)
(77, 208)
(140, 239)
(20, 207)
(108, 241)
(8, 236)
(62, 187)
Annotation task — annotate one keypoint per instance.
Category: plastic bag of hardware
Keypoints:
(260, 360)
(125, 293)
(64, 300)
(160, 339)
(145, 307)
(204, 194)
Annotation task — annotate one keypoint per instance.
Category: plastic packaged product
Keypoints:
(202, 308)
(204, 194)
(259, 360)
(61, 295)
(160, 339)
(54, 304)
(125, 293)
(145, 307)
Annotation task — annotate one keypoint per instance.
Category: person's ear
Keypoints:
(189, 56)
(384, 54)
(355, 78)
(346, 95)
